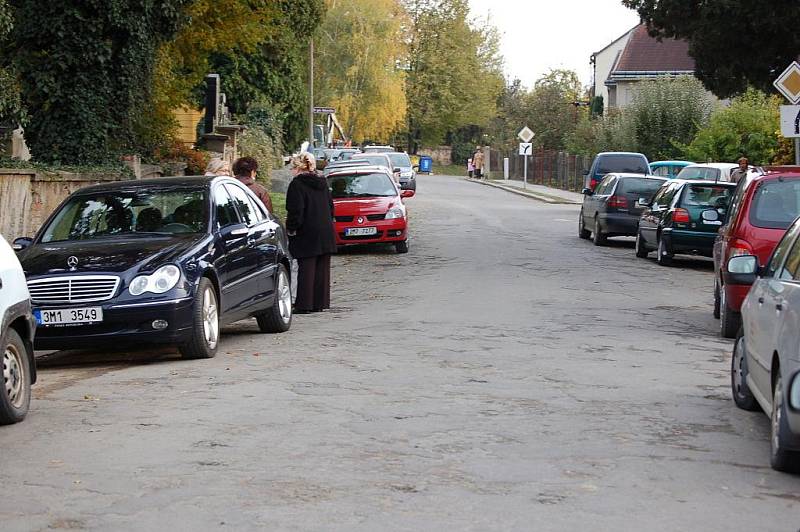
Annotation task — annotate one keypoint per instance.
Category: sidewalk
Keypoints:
(537, 192)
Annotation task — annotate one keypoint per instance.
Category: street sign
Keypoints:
(325, 110)
(788, 83)
(525, 134)
(790, 121)
(525, 148)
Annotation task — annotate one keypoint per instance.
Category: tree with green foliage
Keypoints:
(454, 72)
(735, 43)
(749, 127)
(12, 112)
(86, 72)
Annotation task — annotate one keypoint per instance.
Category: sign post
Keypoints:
(788, 84)
(525, 149)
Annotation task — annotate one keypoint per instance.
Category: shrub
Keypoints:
(196, 160)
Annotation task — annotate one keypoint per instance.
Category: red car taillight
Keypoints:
(680, 216)
(740, 247)
(618, 202)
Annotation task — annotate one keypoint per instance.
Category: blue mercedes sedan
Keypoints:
(157, 261)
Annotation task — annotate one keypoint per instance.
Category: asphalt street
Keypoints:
(503, 375)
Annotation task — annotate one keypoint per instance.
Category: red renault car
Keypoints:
(762, 208)
(368, 207)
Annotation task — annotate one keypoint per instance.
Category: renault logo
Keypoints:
(72, 262)
(360, 220)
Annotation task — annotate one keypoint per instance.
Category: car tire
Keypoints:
(205, 323)
(739, 389)
(598, 237)
(641, 250)
(730, 321)
(15, 393)
(716, 298)
(781, 459)
(664, 257)
(278, 318)
(583, 233)
(401, 247)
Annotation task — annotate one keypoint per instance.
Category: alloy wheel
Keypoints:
(738, 373)
(777, 415)
(14, 376)
(210, 318)
(284, 297)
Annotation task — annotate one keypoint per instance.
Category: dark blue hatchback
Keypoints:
(160, 261)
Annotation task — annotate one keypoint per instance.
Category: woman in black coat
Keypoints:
(309, 224)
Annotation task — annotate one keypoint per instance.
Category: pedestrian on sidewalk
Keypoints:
(741, 172)
(218, 166)
(309, 224)
(470, 168)
(245, 170)
(477, 162)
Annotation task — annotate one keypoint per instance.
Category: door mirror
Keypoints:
(407, 193)
(232, 232)
(587, 192)
(21, 243)
(710, 215)
(741, 270)
(586, 172)
(415, 168)
(643, 202)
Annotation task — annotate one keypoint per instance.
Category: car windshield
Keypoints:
(640, 187)
(375, 160)
(776, 204)
(711, 196)
(361, 185)
(400, 160)
(700, 172)
(111, 214)
(619, 164)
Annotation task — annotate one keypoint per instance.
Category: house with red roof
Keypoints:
(641, 58)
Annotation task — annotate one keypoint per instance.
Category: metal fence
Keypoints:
(555, 169)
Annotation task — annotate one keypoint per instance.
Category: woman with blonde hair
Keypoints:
(309, 224)
(218, 166)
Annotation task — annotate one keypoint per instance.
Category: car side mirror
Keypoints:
(21, 243)
(643, 202)
(587, 192)
(415, 167)
(407, 193)
(586, 172)
(710, 215)
(232, 232)
(741, 270)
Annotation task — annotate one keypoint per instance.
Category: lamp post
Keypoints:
(311, 93)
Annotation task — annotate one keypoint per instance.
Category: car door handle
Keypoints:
(760, 300)
(779, 307)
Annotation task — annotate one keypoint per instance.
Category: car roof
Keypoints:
(723, 166)
(159, 182)
(360, 170)
(638, 176)
(703, 182)
(621, 153)
(666, 163)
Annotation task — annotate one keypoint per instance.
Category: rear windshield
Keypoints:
(641, 188)
(711, 196)
(776, 204)
(400, 160)
(375, 160)
(700, 172)
(622, 164)
(361, 185)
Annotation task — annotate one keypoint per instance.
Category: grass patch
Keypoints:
(450, 169)
(278, 205)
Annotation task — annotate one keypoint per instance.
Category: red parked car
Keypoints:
(762, 208)
(368, 207)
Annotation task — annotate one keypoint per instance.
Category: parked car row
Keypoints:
(752, 231)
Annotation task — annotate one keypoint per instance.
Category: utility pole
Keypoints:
(311, 93)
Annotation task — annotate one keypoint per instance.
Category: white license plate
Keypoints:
(68, 316)
(360, 231)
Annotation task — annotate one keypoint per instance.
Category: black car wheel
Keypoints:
(278, 318)
(401, 247)
(15, 394)
(739, 389)
(641, 250)
(598, 237)
(730, 321)
(716, 298)
(781, 459)
(664, 256)
(205, 323)
(582, 231)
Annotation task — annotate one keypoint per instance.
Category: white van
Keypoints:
(17, 328)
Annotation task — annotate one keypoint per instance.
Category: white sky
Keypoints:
(538, 35)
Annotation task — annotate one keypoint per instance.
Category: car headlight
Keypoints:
(160, 281)
(396, 212)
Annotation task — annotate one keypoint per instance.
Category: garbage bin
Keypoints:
(425, 164)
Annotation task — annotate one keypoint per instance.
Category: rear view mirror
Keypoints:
(741, 270)
(407, 193)
(587, 192)
(21, 243)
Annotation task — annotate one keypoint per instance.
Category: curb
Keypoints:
(545, 198)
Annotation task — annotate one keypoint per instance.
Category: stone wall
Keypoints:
(441, 155)
(28, 197)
